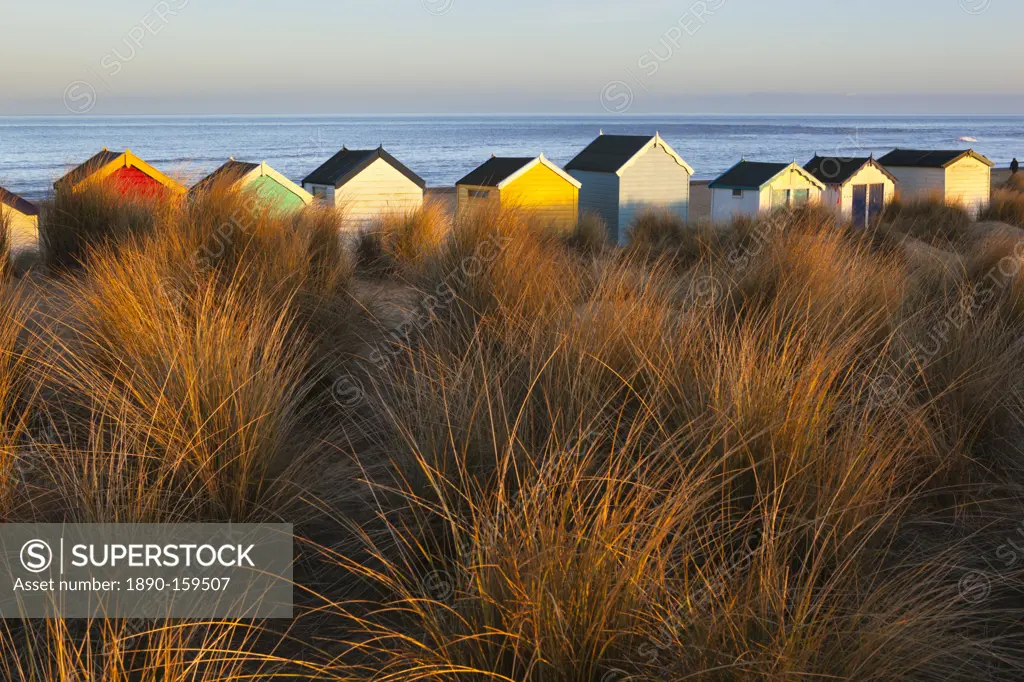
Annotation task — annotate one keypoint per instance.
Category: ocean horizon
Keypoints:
(36, 150)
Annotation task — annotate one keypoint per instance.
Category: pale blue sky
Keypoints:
(469, 56)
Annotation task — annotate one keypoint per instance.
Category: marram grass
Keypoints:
(782, 450)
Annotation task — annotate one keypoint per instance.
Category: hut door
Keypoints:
(876, 201)
(860, 205)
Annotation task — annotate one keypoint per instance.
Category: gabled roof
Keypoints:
(12, 200)
(757, 174)
(834, 170)
(613, 153)
(92, 165)
(106, 163)
(495, 170)
(348, 163)
(500, 171)
(232, 171)
(924, 158)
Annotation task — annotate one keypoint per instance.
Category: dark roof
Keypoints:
(608, 153)
(349, 163)
(748, 175)
(495, 170)
(232, 170)
(81, 172)
(834, 170)
(924, 158)
(17, 203)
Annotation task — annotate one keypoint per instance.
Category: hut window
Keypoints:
(737, 193)
(320, 192)
(801, 197)
(479, 193)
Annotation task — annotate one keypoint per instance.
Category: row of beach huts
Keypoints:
(615, 177)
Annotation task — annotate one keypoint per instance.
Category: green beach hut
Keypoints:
(273, 188)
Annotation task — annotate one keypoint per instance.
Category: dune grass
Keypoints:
(771, 451)
(5, 245)
(96, 214)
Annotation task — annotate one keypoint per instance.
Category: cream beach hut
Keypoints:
(366, 184)
(623, 175)
(952, 176)
(272, 188)
(752, 187)
(858, 188)
(22, 220)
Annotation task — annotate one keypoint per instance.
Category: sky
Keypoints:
(110, 57)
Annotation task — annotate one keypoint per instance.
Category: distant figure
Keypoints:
(1014, 167)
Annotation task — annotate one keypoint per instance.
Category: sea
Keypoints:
(34, 151)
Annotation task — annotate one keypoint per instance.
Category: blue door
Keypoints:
(860, 205)
(876, 201)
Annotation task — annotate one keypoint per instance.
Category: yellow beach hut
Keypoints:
(752, 187)
(272, 188)
(533, 184)
(958, 176)
(22, 219)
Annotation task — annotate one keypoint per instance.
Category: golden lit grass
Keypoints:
(18, 394)
(932, 221)
(727, 456)
(397, 242)
(150, 651)
(1007, 206)
(5, 244)
(96, 215)
(193, 359)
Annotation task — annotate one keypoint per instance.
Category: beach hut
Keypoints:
(952, 176)
(273, 189)
(752, 187)
(533, 184)
(859, 188)
(128, 173)
(366, 184)
(22, 220)
(623, 175)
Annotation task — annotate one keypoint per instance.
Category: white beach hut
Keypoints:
(623, 175)
(365, 184)
(752, 187)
